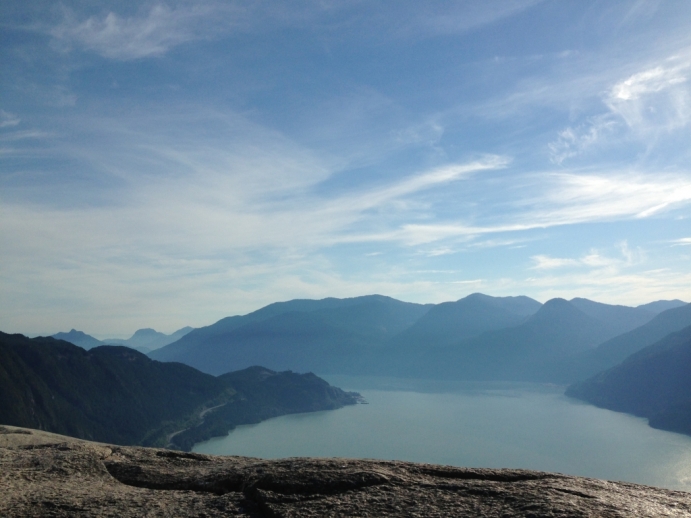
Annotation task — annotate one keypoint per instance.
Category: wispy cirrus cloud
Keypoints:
(656, 99)
(545, 262)
(572, 142)
(8, 120)
(164, 25)
(315, 148)
(149, 33)
(591, 197)
(617, 287)
(625, 276)
(557, 199)
(592, 259)
(420, 182)
(460, 17)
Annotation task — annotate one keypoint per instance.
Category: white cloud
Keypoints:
(8, 119)
(154, 31)
(471, 282)
(654, 99)
(494, 243)
(647, 82)
(426, 180)
(684, 241)
(616, 278)
(462, 16)
(545, 262)
(572, 142)
(628, 288)
(593, 259)
(580, 197)
(435, 252)
(149, 33)
(657, 99)
(24, 135)
(556, 199)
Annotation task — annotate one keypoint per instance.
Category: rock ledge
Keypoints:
(43, 474)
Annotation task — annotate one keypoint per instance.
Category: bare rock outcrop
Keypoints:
(44, 474)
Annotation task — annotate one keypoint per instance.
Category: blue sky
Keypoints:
(165, 164)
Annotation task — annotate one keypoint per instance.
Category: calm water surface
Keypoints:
(482, 425)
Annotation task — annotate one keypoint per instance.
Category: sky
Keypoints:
(165, 164)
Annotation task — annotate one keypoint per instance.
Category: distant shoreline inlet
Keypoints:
(117, 395)
(630, 359)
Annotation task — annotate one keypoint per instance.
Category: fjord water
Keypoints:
(473, 424)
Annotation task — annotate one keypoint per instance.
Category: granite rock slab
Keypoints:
(49, 475)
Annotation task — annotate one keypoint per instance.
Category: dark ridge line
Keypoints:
(470, 474)
(173, 454)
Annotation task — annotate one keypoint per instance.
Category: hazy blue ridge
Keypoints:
(143, 340)
(654, 383)
(662, 305)
(78, 338)
(115, 394)
(329, 335)
(615, 350)
(146, 340)
(619, 319)
(449, 322)
(476, 338)
(535, 350)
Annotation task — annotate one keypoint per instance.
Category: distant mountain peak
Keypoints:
(519, 305)
(74, 332)
(662, 305)
(558, 309)
(557, 304)
(79, 338)
(146, 332)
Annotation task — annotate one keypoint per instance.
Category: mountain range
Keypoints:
(325, 336)
(143, 340)
(531, 351)
(477, 337)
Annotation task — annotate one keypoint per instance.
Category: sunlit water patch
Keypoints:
(482, 425)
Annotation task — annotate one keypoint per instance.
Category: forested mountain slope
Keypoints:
(115, 394)
(655, 383)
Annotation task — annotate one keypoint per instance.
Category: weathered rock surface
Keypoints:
(44, 474)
